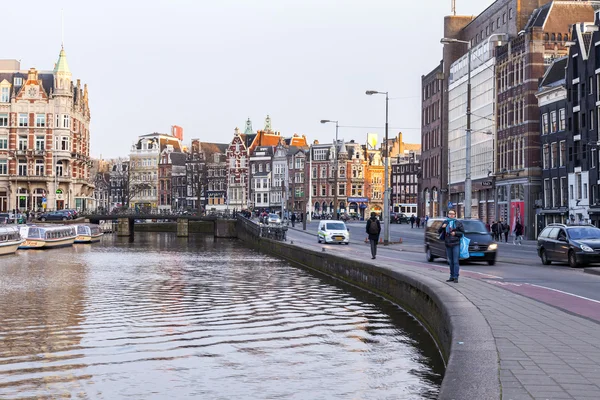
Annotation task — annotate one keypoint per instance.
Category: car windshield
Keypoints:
(474, 227)
(584, 233)
(273, 216)
(336, 226)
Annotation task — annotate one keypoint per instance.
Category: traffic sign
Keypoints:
(59, 191)
(44, 200)
(450, 204)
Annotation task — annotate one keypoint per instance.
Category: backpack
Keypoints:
(373, 229)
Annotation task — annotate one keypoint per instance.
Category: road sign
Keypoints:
(44, 200)
(59, 191)
(450, 204)
(486, 183)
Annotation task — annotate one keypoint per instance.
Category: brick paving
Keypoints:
(544, 352)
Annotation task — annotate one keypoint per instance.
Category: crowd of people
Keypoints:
(500, 231)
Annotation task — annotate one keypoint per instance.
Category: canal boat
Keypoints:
(88, 233)
(47, 236)
(10, 240)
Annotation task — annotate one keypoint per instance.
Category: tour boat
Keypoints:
(10, 240)
(89, 233)
(47, 236)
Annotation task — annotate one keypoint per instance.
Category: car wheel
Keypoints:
(573, 259)
(318, 239)
(429, 256)
(544, 257)
(64, 218)
(492, 262)
(42, 219)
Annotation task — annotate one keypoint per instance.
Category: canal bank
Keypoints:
(461, 331)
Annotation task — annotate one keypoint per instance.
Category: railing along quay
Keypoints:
(275, 232)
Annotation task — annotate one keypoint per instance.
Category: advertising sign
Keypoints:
(358, 199)
(517, 213)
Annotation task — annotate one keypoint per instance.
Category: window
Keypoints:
(260, 168)
(561, 124)
(3, 120)
(547, 193)
(510, 13)
(563, 153)
(40, 120)
(591, 124)
(504, 18)
(253, 168)
(18, 81)
(23, 120)
(323, 190)
(553, 123)
(314, 191)
(546, 160)
(578, 185)
(544, 124)
(585, 190)
(22, 142)
(555, 192)
(22, 168)
(39, 167)
(554, 150)
(342, 190)
(3, 167)
(5, 95)
(564, 192)
(320, 154)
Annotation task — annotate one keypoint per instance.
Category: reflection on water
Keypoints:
(168, 317)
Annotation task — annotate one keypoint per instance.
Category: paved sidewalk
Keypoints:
(545, 353)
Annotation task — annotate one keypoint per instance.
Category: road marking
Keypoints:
(482, 273)
(567, 293)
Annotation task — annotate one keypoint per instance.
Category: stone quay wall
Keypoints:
(460, 330)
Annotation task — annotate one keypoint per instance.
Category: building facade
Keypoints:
(433, 179)
(44, 139)
(406, 196)
(552, 102)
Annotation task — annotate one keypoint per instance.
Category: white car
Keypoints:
(273, 219)
(333, 232)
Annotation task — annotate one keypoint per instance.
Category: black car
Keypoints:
(481, 248)
(398, 218)
(573, 244)
(55, 216)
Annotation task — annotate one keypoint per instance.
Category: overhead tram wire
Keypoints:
(377, 127)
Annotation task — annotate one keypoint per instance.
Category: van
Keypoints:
(331, 231)
(481, 248)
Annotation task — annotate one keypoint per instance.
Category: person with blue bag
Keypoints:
(451, 232)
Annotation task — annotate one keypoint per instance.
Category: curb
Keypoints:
(592, 270)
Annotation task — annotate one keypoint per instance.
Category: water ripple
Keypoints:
(166, 317)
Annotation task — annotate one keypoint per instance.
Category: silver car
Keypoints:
(273, 219)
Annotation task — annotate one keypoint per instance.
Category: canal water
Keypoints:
(174, 318)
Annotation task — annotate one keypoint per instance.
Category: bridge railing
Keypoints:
(275, 232)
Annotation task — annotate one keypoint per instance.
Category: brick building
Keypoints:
(44, 139)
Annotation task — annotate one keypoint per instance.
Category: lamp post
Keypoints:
(335, 168)
(386, 193)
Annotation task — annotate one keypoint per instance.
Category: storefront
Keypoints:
(357, 206)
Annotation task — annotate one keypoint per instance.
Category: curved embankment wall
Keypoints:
(462, 333)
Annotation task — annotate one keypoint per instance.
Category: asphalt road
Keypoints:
(518, 268)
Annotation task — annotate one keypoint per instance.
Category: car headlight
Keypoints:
(493, 246)
(586, 248)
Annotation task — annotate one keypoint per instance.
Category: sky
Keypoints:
(209, 65)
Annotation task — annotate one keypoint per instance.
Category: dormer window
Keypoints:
(5, 94)
(18, 81)
(260, 168)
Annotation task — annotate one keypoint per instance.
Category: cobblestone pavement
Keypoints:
(544, 352)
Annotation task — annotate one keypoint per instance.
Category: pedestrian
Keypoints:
(293, 220)
(373, 229)
(418, 221)
(487, 227)
(412, 221)
(505, 231)
(452, 230)
(426, 219)
(518, 233)
(495, 230)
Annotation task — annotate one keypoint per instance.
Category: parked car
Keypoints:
(10, 218)
(481, 248)
(399, 218)
(55, 216)
(574, 244)
(273, 219)
(333, 232)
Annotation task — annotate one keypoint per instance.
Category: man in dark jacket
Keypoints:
(505, 229)
(373, 229)
(293, 220)
(495, 230)
(452, 230)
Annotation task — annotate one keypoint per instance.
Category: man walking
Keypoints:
(518, 233)
(495, 230)
(505, 231)
(293, 220)
(452, 230)
(418, 221)
(373, 229)
(412, 221)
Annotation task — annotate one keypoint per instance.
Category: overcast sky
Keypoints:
(209, 65)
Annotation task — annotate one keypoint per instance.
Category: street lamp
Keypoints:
(335, 167)
(386, 194)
